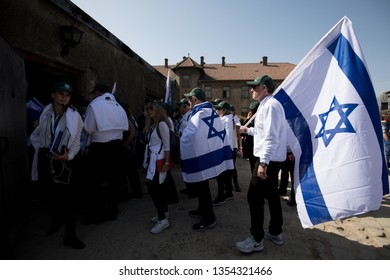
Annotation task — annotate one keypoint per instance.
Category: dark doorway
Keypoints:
(42, 74)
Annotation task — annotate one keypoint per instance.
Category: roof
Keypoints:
(187, 62)
(234, 71)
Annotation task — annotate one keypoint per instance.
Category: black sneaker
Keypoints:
(195, 213)
(228, 197)
(202, 226)
(74, 242)
(219, 201)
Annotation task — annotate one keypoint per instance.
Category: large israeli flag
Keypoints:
(334, 130)
(204, 149)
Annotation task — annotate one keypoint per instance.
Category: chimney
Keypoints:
(265, 61)
(223, 61)
(166, 63)
(202, 61)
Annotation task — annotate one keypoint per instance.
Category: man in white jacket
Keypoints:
(105, 121)
(269, 146)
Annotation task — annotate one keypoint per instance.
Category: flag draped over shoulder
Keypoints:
(205, 152)
(334, 130)
(168, 89)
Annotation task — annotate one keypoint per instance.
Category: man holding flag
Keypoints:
(334, 130)
(205, 153)
(269, 145)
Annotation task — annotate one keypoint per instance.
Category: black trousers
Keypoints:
(287, 171)
(205, 206)
(131, 173)
(105, 166)
(234, 171)
(59, 190)
(224, 181)
(162, 194)
(259, 190)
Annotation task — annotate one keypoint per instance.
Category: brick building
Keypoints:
(226, 81)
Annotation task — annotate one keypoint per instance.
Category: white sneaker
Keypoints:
(277, 239)
(249, 245)
(160, 226)
(155, 218)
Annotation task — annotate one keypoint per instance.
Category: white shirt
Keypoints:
(227, 121)
(269, 132)
(105, 120)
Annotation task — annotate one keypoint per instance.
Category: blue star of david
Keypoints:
(212, 131)
(343, 124)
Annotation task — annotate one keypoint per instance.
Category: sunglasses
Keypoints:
(149, 108)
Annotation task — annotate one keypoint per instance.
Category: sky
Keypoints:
(244, 31)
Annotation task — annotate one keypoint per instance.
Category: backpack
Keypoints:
(174, 143)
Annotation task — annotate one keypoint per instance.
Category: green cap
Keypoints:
(216, 101)
(263, 80)
(254, 105)
(223, 105)
(61, 86)
(183, 101)
(197, 92)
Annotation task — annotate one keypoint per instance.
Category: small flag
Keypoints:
(113, 92)
(334, 130)
(168, 89)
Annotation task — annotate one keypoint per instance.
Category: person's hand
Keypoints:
(243, 129)
(165, 167)
(63, 156)
(35, 124)
(262, 172)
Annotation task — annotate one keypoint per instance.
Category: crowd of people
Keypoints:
(105, 141)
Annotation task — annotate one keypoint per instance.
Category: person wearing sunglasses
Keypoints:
(157, 161)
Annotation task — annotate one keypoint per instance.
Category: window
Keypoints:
(245, 91)
(226, 92)
(207, 90)
(185, 83)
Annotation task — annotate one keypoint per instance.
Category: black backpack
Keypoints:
(174, 143)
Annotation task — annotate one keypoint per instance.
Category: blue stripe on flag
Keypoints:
(206, 161)
(311, 192)
(355, 70)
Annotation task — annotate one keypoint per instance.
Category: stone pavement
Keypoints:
(128, 238)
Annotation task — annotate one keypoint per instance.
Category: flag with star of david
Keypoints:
(334, 130)
(204, 148)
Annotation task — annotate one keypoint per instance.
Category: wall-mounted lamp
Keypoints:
(72, 36)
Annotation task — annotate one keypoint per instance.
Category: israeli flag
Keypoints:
(168, 89)
(334, 130)
(204, 148)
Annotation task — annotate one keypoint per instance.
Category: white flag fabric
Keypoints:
(113, 92)
(168, 89)
(334, 130)
(204, 148)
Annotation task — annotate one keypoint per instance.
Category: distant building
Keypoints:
(384, 102)
(226, 81)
